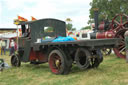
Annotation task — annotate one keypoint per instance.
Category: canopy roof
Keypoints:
(8, 35)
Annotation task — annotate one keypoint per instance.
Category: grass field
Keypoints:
(112, 71)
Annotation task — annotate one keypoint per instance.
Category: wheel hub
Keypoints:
(57, 63)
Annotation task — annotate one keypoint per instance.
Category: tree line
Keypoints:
(108, 8)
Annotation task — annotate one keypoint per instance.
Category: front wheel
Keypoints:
(15, 61)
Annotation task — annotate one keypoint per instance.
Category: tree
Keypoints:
(69, 26)
(48, 29)
(84, 28)
(108, 8)
(68, 20)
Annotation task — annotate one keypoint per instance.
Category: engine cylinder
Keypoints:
(105, 35)
(102, 35)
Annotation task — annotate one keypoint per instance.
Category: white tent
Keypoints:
(8, 35)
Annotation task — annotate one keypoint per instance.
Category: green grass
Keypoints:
(112, 71)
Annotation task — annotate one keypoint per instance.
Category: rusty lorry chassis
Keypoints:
(60, 55)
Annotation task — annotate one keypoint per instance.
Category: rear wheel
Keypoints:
(120, 49)
(15, 61)
(82, 58)
(98, 58)
(58, 62)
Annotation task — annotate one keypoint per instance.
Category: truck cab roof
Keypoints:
(44, 27)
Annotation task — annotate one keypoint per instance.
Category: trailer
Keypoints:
(36, 46)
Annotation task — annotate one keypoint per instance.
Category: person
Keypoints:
(3, 47)
(126, 45)
(0, 46)
(1, 64)
(12, 47)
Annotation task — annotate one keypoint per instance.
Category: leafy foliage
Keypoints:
(48, 29)
(84, 28)
(69, 27)
(108, 8)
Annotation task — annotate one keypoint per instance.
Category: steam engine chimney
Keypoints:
(96, 14)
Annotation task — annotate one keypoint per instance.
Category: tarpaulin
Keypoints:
(63, 39)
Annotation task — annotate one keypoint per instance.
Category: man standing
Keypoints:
(3, 47)
(0, 46)
(126, 44)
(12, 45)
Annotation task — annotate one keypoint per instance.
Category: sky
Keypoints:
(77, 10)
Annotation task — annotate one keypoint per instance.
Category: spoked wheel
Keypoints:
(58, 62)
(15, 61)
(82, 58)
(98, 58)
(106, 51)
(120, 50)
(119, 22)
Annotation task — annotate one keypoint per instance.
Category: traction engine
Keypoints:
(114, 29)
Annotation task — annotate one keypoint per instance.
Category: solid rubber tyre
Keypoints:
(82, 58)
(95, 62)
(56, 56)
(15, 60)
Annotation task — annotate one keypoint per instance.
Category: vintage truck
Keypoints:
(59, 55)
